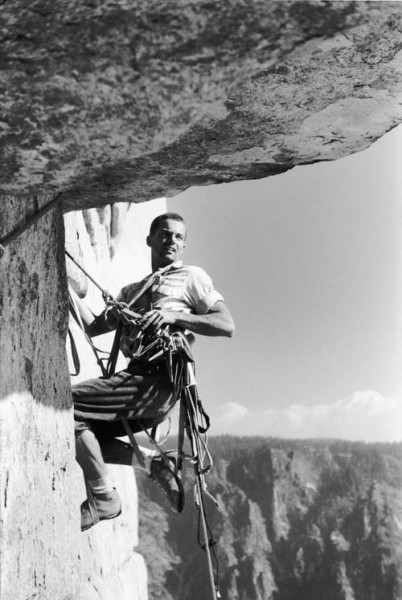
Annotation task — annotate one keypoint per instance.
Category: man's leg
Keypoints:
(105, 502)
(89, 455)
(152, 395)
(161, 470)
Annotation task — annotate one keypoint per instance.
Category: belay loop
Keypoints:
(173, 346)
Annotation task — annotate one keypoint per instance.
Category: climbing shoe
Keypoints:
(164, 475)
(102, 507)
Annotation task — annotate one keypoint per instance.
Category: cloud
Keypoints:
(364, 415)
(228, 415)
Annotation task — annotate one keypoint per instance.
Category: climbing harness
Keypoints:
(7, 239)
(174, 349)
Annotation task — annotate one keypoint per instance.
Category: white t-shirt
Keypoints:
(178, 287)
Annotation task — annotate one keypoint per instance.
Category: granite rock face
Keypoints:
(127, 101)
(39, 518)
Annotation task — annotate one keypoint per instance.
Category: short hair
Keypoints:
(170, 215)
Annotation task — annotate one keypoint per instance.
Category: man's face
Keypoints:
(167, 243)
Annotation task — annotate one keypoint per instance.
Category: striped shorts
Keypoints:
(145, 396)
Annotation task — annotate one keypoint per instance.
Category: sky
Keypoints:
(309, 263)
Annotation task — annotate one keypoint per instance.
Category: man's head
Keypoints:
(167, 237)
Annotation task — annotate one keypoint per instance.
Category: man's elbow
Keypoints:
(229, 328)
(224, 321)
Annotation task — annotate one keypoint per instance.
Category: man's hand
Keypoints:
(155, 319)
(216, 322)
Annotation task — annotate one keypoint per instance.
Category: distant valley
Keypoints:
(297, 520)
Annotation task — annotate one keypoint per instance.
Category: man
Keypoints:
(181, 297)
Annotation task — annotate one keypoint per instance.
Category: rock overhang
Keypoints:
(128, 101)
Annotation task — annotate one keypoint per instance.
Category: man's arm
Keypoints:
(93, 325)
(99, 326)
(216, 322)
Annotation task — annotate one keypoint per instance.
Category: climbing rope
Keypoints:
(202, 462)
(108, 298)
(209, 542)
(7, 239)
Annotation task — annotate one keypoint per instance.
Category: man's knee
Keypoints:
(84, 441)
(80, 427)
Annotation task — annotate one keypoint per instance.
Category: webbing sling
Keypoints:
(114, 353)
(202, 462)
(133, 442)
(74, 353)
(77, 318)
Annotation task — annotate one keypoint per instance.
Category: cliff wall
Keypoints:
(39, 520)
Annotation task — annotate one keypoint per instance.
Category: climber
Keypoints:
(173, 297)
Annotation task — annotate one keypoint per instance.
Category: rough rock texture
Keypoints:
(306, 520)
(109, 566)
(39, 527)
(91, 238)
(126, 100)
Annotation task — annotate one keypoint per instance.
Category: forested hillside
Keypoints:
(298, 520)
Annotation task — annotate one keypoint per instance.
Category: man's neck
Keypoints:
(158, 267)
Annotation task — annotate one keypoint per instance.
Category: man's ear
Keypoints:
(148, 240)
